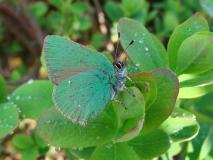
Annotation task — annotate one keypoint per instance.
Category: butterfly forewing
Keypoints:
(65, 58)
(83, 95)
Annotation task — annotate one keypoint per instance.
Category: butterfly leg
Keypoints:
(127, 77)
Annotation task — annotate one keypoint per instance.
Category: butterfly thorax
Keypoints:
(121, 74)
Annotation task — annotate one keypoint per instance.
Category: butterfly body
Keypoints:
(85, 80)
(121, 75)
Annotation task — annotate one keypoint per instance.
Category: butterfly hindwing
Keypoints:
(83, 95)
(65, 58)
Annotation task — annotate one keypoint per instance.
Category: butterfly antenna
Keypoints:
(130, 43)
(125, 50)
(117, 45)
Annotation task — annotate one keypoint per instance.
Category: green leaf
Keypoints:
(195, 54)
(144, 52)
(167, 91)
(194, 24)
(113, 11)
(151, 144)
(38, 9)
(174, 149)
(181, 126)
(118, 151)
(15, 75)
(58, 131)
(147, 84)
(3, 90)
(204, 106)
(130, 110)
(81, 153)
(83, 22)
(134, 7)
(194, 92)
(207, 144)
(161, 49)
(97, 40)
(170, 21)
(200, 80)
(33, 98)
(199, 141)
(79, 8)
(9, 118)
(53, 20)
(207, 6)
(22, 141)
(130, 104)
(29, 153)
(55, 3)
(38, 140)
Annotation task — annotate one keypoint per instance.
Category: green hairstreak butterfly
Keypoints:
(85, 80)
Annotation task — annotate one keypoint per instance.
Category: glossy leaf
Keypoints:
(60, 132)
(181, 126)
(147, 84)
(118, 151)
(204, 106)
(201, 80)
(8, 118)
(167, 91)
(161, 49)
(33, 98)
(144, 51)
(174, 149)
(3, 90)
(130, 110)
(194, 24)
(195, 54)
(83, 153)
(151, 145)
(194, 92)
(207, 145)
(198, 142)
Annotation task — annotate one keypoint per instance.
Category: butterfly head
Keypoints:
(120, 62)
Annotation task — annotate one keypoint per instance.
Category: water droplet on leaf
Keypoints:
(17, 97)
(140, 41)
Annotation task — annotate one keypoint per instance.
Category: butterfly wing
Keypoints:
(65, 58)
(83, 95)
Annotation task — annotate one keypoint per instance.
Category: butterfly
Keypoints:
(85, 80)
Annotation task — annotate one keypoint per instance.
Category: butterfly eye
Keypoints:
(118, 65)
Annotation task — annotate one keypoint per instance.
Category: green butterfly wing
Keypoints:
(83, 95)
(65, 58)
